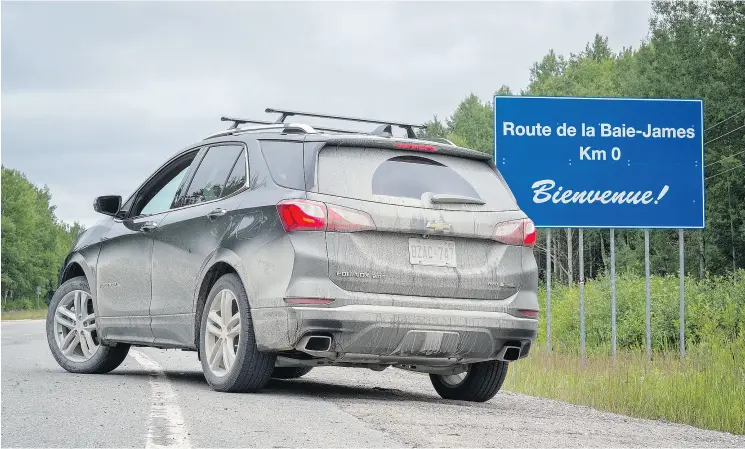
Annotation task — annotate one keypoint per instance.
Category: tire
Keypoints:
(482, 381)
(104, 358)
(286, 372)
(249, 369)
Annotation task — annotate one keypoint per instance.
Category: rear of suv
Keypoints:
(339, 249)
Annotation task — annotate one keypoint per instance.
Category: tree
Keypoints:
(34, 241)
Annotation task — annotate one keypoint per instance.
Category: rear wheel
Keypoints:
(479, 384)
(286, 372)
(72, 332)
(230, 359)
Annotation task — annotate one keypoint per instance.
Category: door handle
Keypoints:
(217, 213)
(149, 226)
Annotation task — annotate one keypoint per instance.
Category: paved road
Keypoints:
(160, 398)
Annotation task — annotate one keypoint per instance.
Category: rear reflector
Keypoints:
(304, 215)
(416, 146)
(529, 313)
(316, 301)
(516, 232)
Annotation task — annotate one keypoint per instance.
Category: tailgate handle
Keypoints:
(217, 213)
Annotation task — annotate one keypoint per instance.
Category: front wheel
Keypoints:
(230, 358)
(73, 334)
(479, 384)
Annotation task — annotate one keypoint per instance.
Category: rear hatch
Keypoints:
(428, 224)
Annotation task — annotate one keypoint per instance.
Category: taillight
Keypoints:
(516, 232)
(343, 219)
(304, 215)
(416, 146)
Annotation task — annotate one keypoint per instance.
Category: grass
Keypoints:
(707, 390)
(33, 314)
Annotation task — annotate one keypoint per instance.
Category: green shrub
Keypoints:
(715, 312)
(22, 304)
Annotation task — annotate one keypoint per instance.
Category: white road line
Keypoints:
(166, 426)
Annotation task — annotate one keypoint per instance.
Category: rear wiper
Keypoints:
(444, 198)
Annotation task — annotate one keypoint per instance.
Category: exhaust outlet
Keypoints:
(318, 343)
(509, 353)
(315, 345)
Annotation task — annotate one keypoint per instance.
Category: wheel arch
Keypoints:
(75, 265)
(72, 270)
(224, 261)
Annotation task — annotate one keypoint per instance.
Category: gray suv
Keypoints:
(274, 248)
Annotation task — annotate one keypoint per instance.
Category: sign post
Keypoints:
(647, 290)
(681, 251)
(604, 163)
(613, 291)
(581, 293)
(38, 295)
(548, 290)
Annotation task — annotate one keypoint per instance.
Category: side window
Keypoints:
(159, 194)
(285, 162)
(237, 178)
(209, 179)
(164, 198)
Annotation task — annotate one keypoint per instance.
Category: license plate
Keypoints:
(438, 253)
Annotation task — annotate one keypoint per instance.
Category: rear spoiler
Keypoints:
(414, 145)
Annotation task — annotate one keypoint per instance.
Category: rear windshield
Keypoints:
(401, 177)
(413, 176)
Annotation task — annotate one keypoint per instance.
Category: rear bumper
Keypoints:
(395, 334)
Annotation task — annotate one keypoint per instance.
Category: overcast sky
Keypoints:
(95, 96)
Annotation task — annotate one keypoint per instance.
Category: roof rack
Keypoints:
(381, 130)
(241, 121)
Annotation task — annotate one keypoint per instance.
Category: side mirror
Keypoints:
(107, 205)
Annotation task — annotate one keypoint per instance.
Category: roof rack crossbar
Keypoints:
(243, 121)
(409, 127)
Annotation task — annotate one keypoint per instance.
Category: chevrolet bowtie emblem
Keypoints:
(439, 226)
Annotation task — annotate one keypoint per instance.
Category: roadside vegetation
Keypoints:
(34, 241)
(706, 390)
(31, 314)
(24, 309)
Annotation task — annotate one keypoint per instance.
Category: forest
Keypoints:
(693, 50)
(34, 241)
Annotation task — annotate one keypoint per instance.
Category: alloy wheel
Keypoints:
(75, 328)
(453, 380)
(222, 336)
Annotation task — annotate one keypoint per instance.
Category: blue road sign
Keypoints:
(603, 162)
